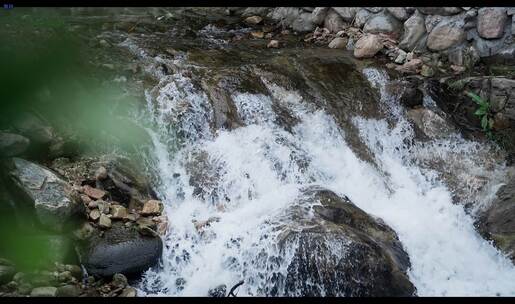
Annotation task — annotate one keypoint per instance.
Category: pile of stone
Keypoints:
(424, 40)
(102, 212)
(59, 280)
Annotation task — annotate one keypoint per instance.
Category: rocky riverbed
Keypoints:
(232, 149)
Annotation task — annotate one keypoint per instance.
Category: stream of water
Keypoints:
(243, 178)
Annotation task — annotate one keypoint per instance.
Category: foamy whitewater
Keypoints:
(247, 176)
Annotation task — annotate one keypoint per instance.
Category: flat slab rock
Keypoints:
(121, 249)
(53, 199)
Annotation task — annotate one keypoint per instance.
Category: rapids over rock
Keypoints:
(295, 171)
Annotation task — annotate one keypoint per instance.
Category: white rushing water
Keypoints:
(247, 176)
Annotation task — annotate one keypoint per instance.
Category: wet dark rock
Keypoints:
(370, 262)
(12, 144)
(6, 273)
(120, 250)
(54, 200)
(218, 292)
(447, 33)
(497, 222)
(407, 91)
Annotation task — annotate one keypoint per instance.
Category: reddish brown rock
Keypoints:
(152, 207)
(94, 192)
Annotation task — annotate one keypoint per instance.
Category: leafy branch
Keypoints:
(483, 112)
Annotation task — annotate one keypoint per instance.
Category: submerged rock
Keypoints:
(218, 292)
(497, 223)
(340, 250)
(121, 249)
(430, 123)
(407, 91)
(54, 200)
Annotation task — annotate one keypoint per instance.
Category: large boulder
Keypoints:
(367, 46)
(414, 30)
(497, 222)
(55, 202)
(430, 123)
(339, 250)
(383, 23)
(491, 21)
(447, 33)
(12, 144)
(120, 249)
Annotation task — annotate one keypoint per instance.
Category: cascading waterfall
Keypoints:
(223, 190)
